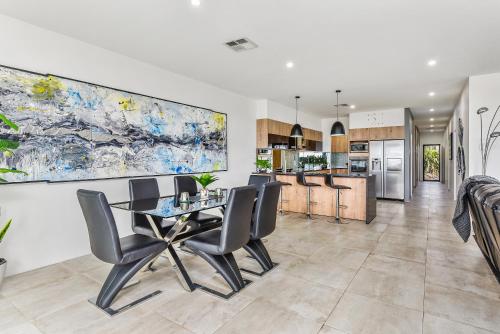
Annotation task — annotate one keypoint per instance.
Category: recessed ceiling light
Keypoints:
(431, 110)
(432, 130)
(352, 106)
(432, 62)
(432, 125)
(196, 3)
(290, 64)
(432, 93)
(432, 119)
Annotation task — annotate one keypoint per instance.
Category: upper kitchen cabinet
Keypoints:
(361, 134)
(271, 132)
(387, 132)
(339, 144)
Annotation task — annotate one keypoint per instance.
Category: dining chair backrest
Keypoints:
(264, 215)
(143, 189)
(140, 189)
(235, 231)
(101, 226)
(185, 183)
(301, 178)
(258, 180)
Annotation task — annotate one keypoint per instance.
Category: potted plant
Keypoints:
(3, 262)
(205, 180)
(263, 165)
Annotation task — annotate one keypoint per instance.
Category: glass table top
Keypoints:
(170, 206)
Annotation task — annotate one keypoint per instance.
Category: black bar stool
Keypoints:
(282, 184)
(338, 187)
(301, 179)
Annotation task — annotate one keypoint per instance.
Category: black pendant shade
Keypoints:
(296, 131)
(337, 129)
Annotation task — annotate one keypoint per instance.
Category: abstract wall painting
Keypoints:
(71, 130)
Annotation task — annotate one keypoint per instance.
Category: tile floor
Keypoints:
(406, 272)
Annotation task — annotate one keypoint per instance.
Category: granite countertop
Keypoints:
(354, 175)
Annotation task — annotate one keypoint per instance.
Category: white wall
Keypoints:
(377, 118)
(484, 91)
(48, 224)
(326, 127)
(278, 112)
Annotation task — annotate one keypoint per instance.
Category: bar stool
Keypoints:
(273, 179)
(301, 179)
(338, 187)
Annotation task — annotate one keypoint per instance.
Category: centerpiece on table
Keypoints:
(205, 180)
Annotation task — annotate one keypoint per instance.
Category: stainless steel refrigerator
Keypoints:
(387, 164)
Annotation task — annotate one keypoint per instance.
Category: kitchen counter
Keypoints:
(319, 173)
(360, 202)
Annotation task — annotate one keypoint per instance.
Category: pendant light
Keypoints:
(337, 127)
(296, 129)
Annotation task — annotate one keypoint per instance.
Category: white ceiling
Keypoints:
(375, 51)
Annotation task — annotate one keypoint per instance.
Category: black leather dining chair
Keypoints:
(185, 183)
(263, 224)
(217, 246)
(258, 180)
(128, 255)
(146, 189)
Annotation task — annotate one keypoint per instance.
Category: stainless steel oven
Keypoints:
(359, 147)
(358, 165)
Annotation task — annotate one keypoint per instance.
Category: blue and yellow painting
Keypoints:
(71, 130)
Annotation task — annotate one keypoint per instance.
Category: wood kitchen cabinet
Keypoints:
(387, 132)
(362, 134)
(268, 130)
(340, 144)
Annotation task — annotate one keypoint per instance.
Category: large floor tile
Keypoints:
(461, 306)
(481, 284)
(357, 314)
(306, 298)
(151, 323)
(437, 325)
(35, 303)
(13, 285)
(200, 312)
(265, 317)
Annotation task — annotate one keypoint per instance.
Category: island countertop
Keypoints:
(359, 202)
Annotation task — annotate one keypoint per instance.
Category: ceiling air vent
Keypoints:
(241, 44)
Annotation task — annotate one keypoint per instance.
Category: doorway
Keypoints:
(432, 162)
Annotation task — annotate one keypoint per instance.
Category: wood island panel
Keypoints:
(295, 197)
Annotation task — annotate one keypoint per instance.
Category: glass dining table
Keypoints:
(168, 207)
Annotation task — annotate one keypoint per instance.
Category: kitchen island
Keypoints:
(359, 202)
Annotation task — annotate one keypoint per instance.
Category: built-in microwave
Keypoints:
(359, 146)
(358, 165)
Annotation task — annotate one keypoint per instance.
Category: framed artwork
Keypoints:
(71, 130)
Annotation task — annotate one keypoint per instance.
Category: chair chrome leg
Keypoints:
(308, 214)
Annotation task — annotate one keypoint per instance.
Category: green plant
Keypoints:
(263, 164)
(7, 147)
(205, 179)
(3, 231)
